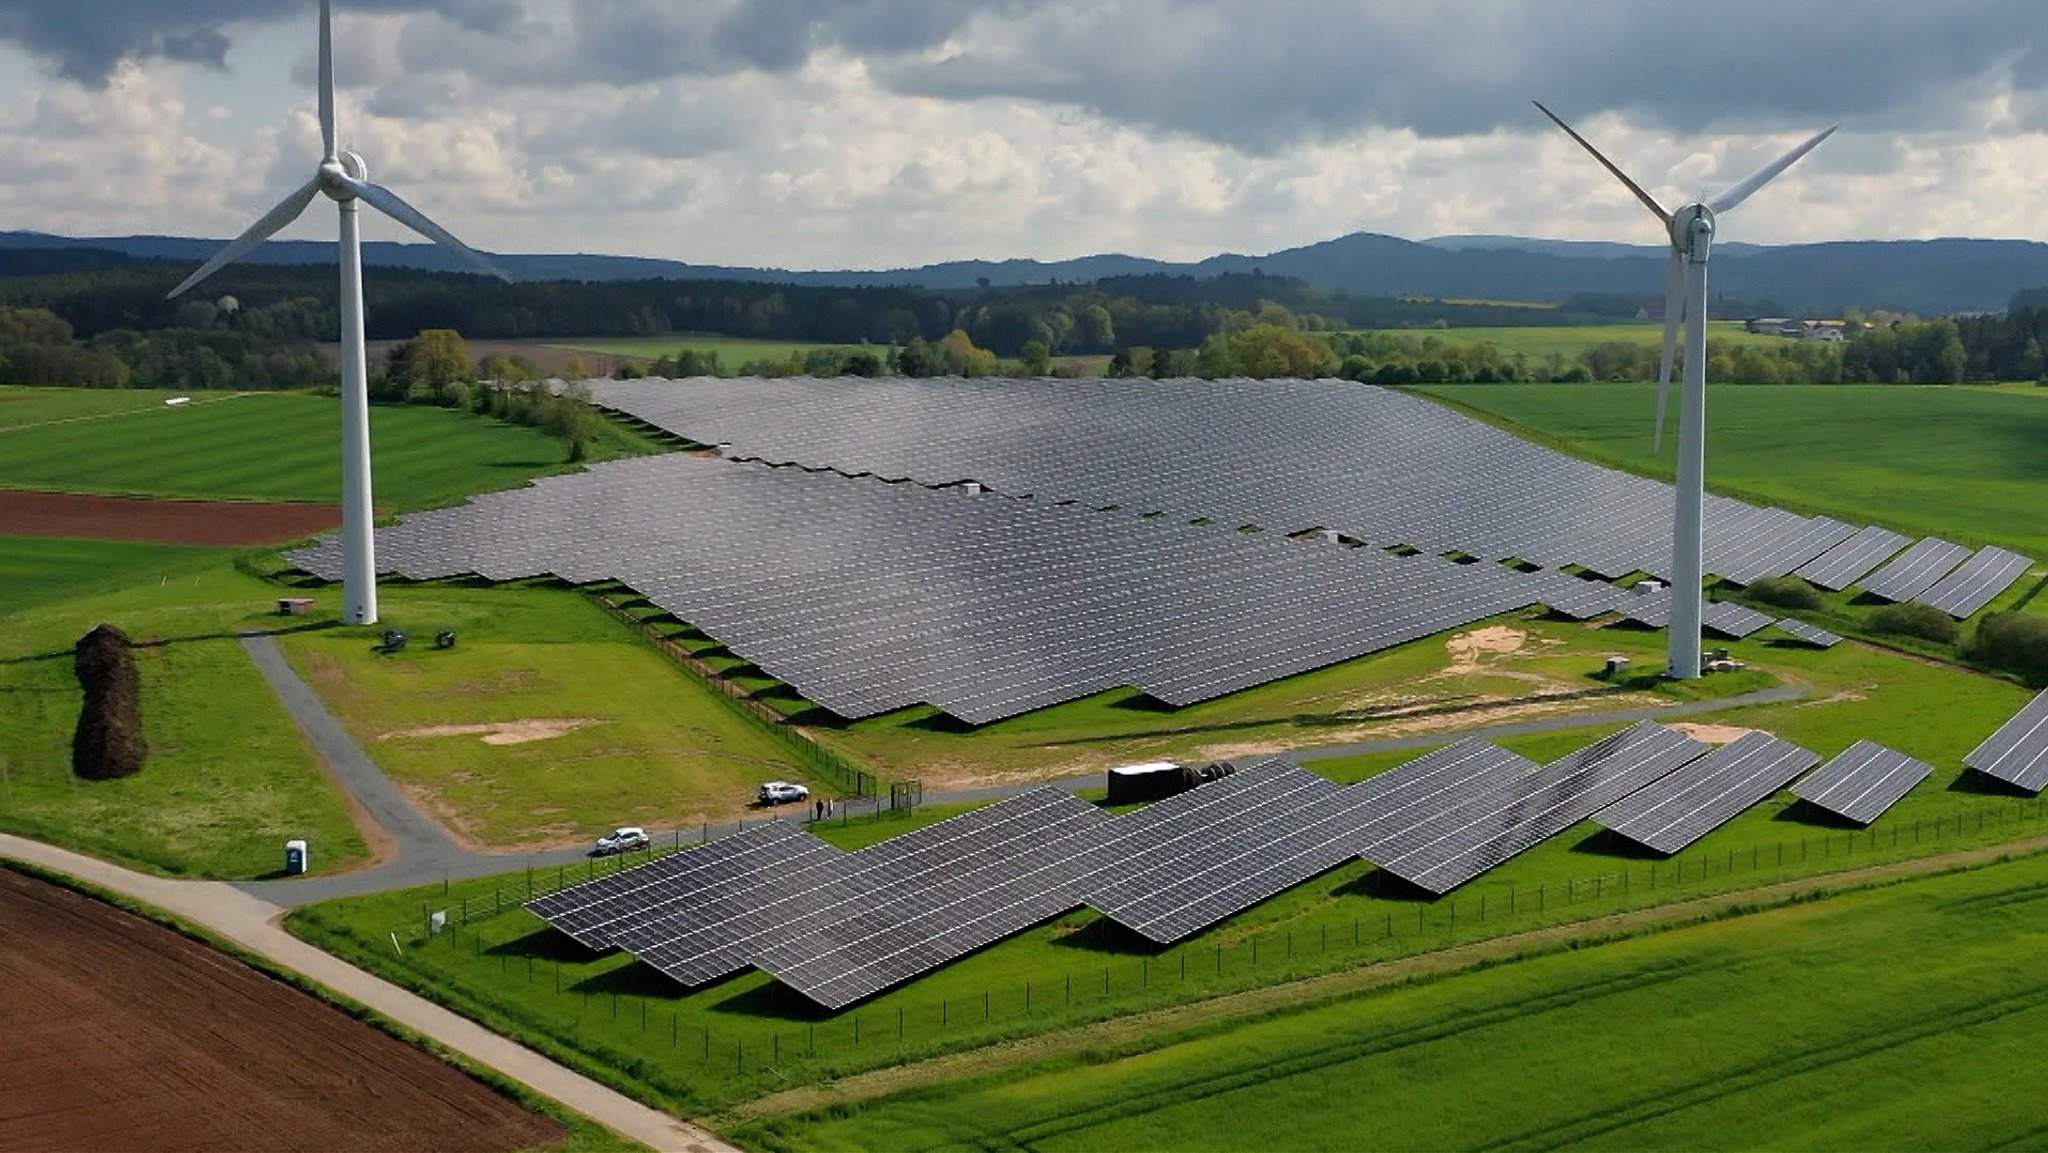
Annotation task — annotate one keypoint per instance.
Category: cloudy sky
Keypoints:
(877, 133)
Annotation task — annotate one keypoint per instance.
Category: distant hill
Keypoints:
(1928, 277)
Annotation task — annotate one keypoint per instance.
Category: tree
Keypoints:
(434, 359)
(1037, 358)
(1094, 330)
(2033, 365)
(574, 369)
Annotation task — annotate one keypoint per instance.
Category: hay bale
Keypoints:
(108, 743)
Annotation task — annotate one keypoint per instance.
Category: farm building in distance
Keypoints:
(1829, 330)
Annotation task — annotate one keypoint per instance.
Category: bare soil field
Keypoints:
(228, 523)
(124, 1035)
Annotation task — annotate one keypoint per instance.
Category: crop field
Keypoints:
(123, 1034)
(732, 351)
(228, 778)
(1965, 464)
(1569, 340)
(710, 1049)
(262, 446)
(1794, 1027)
(548, 723)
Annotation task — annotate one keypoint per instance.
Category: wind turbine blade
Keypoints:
(1648, 200)
(286, 211)
(387, 202)
(1674, 311)
(1765, 175)
(327, 79)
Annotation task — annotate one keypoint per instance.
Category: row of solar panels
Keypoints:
(870, 597)
(1374, 464)
(840, 926)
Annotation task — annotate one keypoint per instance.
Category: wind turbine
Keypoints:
(345, 179)
(1691, 229)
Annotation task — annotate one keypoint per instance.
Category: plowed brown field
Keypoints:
(123, 1035)
(230, 522)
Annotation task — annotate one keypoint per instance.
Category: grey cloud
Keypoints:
(1263, 77)
(85, 39)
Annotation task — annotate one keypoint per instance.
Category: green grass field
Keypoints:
(732, 351)
(37, 571)
(1962, 463)
(655, 746)
(25, 407)
(263, 446)
(228, 778)
(1797, 1027)
(1569, 340)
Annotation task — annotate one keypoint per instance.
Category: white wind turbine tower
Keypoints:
(345, 179)
(1691, 230)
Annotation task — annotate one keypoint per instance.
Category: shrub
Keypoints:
(1914, 620)
(2016, 642)
(1786, 592)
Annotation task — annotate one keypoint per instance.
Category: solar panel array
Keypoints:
(1172, 869)
(1916, 570)
(841, 926)
(1977, 583)
(771, 857)
(2018, 752)
(869, 597)
(1864, 781)
(1811, 634)
(1730, 620)
(1522, 810)
(1707, 793)
(1377, 465)
(1853, 559)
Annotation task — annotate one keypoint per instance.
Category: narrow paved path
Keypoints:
(253, 924)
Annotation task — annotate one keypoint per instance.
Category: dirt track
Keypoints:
(231, 523)
(123, 1035)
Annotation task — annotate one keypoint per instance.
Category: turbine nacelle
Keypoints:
(1692, 232)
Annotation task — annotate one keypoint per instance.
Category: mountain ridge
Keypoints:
(1931, 277)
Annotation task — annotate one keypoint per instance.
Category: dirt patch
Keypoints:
(1711, 734)
(230, 523)
(122, 1034)
(503, 732)
(1835, 698)
(1468, 650)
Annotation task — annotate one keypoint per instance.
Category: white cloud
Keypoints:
(1024, 130)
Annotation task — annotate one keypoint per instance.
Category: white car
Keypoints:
(620, 840)
(782, 793)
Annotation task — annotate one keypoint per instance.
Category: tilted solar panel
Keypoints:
(2018, 752)
(1707, 793)
(1440, 854)
(1864, 781)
